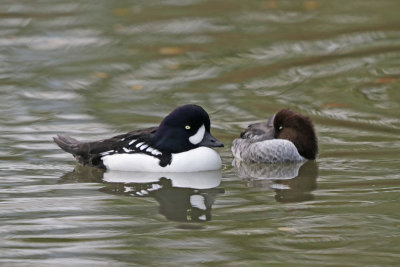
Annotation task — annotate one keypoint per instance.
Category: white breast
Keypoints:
(195, 160)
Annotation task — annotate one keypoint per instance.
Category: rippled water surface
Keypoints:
(93, 69)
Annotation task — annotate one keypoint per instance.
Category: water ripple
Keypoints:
(181, 26)
(94, 70)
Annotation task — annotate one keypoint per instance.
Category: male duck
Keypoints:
(286, 137)
(181, 143)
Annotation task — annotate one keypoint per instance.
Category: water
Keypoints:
(93, 70)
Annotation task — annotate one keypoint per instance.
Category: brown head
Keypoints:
(299, 130)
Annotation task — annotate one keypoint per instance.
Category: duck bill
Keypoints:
(210, 141)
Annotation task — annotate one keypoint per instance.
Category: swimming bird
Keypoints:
(181, 143)
(286, 137)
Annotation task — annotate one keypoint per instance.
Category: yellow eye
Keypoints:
(187, 127)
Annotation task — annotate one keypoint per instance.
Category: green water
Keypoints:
(94, 69)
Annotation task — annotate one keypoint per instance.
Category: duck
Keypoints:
(181, 143)
(287, 136)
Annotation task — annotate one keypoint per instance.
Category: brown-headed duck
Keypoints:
(286, 137)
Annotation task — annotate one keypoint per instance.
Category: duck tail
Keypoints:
(68, 144)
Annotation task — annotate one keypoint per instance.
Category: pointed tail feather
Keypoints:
(68, 144)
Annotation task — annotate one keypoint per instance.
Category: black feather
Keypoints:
(90, 153)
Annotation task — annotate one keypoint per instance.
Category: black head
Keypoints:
(185, 128)
(299, 130)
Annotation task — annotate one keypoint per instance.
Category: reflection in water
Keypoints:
(292, 182)
(88, 68)
(182, 196)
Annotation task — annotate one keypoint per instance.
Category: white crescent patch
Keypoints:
(198, 136)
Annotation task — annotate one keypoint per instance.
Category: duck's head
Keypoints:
(298, 129)
(185, 128)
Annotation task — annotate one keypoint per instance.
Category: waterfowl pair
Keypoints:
(182, 143)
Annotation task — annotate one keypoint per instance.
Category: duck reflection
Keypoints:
(182, 196)
(292, 182)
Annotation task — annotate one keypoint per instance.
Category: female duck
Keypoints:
(286, 137)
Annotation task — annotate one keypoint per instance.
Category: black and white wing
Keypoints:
(91, 153)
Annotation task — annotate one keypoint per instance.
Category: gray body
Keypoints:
(267, 151)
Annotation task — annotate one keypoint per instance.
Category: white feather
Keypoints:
(126, 150)
(106, 152)
(139, 144)
(143, 146)
(133, 141)
(155, 152)
(198, 136)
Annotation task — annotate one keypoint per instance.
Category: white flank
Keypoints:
(195, 160)
(198, 136)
